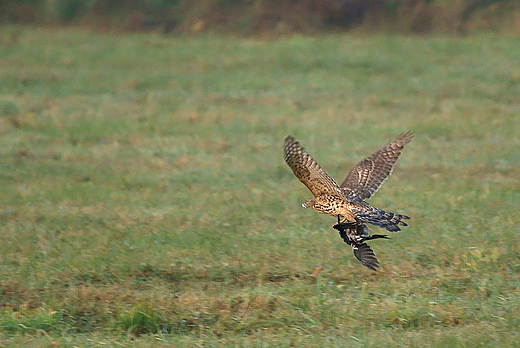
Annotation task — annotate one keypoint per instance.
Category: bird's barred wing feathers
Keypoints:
(368, 175)
(366, 256)
(307, 170)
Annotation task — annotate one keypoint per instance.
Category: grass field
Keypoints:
(145, 200)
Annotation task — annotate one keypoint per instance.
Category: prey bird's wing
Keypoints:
(353, 236)
(366, 256)
(308, 171)
(368, 175)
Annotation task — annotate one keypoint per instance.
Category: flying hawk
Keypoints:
(347, 201)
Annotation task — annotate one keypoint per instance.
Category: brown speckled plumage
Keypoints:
(347, 201)
(366, 177)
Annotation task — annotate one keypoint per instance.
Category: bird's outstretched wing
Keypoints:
(366, 256)
(352, 234)
(368, 175)
(308, 171)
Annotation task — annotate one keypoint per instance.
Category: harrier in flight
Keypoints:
(347, 201)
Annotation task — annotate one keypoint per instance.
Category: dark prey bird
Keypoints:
(347, 201)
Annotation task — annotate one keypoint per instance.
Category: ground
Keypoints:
(145, 200)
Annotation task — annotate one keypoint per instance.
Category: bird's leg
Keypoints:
(344, 220)
(344, 223)
(338, 224)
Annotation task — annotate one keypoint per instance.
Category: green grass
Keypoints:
(145, 201)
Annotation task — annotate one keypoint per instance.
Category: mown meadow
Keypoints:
(145, 200)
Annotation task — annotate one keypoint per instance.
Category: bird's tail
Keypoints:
(383, 219)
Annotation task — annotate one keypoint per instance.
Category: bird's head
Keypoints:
(309, 203)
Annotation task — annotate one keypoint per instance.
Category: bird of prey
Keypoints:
(347, 201)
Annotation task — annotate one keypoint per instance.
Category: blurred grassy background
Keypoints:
(145, 200)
